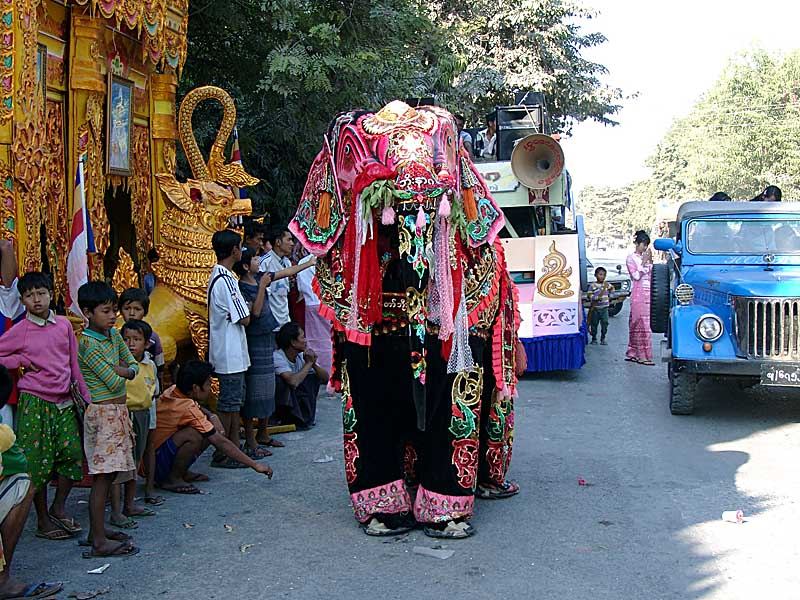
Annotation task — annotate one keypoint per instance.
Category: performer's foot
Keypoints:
(389, 525)
(452, 530)
(489, 491)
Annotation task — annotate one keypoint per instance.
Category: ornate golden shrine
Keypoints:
(56, 57)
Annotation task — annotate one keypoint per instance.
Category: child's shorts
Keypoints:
(165, 457)
(108, 439)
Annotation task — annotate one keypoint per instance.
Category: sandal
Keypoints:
(146, 512)
(55, 535)
(452, 530)
(378, 529)
(187, 489)
(128, 523)
(647, 363)
(272, 443)
(154, 500)
(116, 536)
(497, 492)
(228, 463)
(38, 590)
(124, 549)
(68, 524)
(257, 453)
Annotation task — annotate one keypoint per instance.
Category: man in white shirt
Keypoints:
(274, 261)
(487, 138)
(228, 315)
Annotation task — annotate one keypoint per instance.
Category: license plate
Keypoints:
(784, 375)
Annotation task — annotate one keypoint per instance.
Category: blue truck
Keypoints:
(728, 297)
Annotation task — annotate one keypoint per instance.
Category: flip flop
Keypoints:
(273, 443)
(192, 477)
(497, 492)
(124, 549)
(228, 463)
(116, 536)
(146, 512)
(258, 453)
(55, 535)
(647, 363)
(128, 523)
(187, 489)
(38, 590)
(154, 500)
(453, 531)
(68, 524)
(377, 529)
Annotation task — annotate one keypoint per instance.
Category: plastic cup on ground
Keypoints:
(733, 516)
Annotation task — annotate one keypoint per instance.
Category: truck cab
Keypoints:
(728, 298)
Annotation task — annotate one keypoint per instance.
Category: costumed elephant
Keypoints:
(414, 280)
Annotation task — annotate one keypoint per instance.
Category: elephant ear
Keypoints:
(320, 218)
(483, 216)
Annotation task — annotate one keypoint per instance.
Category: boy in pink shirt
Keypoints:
(44, 347)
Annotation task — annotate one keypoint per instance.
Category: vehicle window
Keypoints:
(743, 237)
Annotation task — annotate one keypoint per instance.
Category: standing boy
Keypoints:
(106, 364)
(228, 315)
(134, 303)
(141, 392)
(599, 296)
(44, 346)
(274, 261)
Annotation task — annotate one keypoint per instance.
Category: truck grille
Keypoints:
(768, 328)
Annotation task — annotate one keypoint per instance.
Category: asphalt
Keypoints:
(647, 524)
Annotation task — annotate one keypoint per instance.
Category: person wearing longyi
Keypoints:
(43, 346)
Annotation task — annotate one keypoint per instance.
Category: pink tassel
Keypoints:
(444, 207)
(387, 215)
(421, 221)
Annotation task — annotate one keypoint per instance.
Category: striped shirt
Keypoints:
(227, 338)
(98, 354)
(599, 294)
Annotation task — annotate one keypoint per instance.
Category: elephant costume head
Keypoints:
(398, 161)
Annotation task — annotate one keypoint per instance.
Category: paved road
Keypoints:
(647, 527)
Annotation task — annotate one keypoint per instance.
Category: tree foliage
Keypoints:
(740, 136)
(292, 65)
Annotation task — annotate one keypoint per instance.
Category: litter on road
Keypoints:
(325, 459)
(733, 516)
(99, 570)
(89, 595)
(433, 552)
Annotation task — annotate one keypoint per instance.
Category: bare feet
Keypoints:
(192, 477)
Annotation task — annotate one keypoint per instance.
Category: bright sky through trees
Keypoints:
(670, 53)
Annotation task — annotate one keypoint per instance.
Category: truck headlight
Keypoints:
(625, 286)
(709, 328)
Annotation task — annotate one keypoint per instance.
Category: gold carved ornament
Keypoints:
(8, 204)
(125, 275)
(57, 214)
(554, 282)
(90, 137)
(141, 196)
(6, 62)
(161, 44)
(194, 211)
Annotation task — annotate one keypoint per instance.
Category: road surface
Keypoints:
(647, 525)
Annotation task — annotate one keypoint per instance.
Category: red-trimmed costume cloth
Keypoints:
(424, 313)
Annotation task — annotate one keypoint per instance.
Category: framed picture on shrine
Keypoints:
(119, 128)
(41, 77)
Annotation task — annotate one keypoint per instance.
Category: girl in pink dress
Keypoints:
(640, 265)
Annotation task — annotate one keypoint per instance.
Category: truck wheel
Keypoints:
(659, 298)
(615, 309)
(682, 391)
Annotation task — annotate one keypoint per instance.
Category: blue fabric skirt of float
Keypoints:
(557, 352)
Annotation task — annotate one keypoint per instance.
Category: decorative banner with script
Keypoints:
(557, 294)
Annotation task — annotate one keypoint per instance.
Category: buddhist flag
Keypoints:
(236, 158)
(81, 243)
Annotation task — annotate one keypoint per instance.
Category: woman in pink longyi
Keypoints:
(640, 265)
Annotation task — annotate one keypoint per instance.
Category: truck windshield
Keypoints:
(743, 237)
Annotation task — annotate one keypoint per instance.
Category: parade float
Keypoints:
(546, 256)
(93, 83)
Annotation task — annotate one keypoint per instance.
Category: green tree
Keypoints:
(292, 65)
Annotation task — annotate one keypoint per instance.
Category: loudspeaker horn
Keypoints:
(537, 161)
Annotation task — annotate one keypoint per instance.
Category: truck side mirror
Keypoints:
(664, 245)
